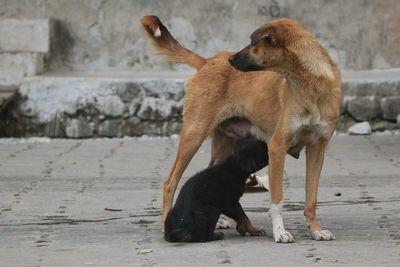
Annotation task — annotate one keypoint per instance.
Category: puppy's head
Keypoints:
(251, 154)
(279, 45)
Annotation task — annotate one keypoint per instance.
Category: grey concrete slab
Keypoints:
(25, 35)
(97, 203)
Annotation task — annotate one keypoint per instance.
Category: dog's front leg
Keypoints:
(190, 141)
(277, 148)
(314, 161)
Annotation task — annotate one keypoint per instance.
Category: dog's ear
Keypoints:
(273, 35)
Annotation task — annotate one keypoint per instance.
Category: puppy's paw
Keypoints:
(322, 235)
(283, 236)
(223, 223)
(219, 235)
(241, 229)
(257, 232)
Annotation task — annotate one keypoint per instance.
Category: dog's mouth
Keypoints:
(242, 62)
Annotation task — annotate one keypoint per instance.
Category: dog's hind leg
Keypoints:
(314, 160)
(192, 136)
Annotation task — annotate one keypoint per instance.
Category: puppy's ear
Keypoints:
(271, 34)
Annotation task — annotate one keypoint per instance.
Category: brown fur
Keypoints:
(295, 105)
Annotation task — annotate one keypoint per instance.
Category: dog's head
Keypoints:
(282, 45)
(251, 154)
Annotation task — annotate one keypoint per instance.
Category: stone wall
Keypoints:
(99, 35)
(65, 57)
(88, 107)
(84, 107)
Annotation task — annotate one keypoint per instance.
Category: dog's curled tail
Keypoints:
(164, 43)
(178, 235)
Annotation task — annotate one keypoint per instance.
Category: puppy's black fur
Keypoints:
(213, 191)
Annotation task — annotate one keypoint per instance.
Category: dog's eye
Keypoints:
(271, 40)
(268, 40)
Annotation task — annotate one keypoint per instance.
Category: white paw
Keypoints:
(223, 223)
(263, 181)
(283, 237)
(322, 235)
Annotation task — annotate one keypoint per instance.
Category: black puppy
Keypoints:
(213, 191)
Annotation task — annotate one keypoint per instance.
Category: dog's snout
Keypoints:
(232, 58)
(241, 61)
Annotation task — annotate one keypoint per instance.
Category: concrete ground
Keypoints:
(97, 203)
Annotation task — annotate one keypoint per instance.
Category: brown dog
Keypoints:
(295, 105)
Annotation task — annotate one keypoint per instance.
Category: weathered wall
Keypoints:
(86, 107)
(98, 35)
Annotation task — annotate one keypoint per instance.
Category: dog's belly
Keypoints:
(306, 131)
(239, 127)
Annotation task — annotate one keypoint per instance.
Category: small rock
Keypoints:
(338, 194)
(362, 128)
(145, 251)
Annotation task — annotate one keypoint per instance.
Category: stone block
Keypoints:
(110, 105)
(363, 108)
(78, 129)
(390, 107)
(134, 127)
(14, 67)
(153, 108)
(111, 128)
(24, 35)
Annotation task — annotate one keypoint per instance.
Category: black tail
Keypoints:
(178, 235)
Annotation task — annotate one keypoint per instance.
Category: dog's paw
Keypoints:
(223, 223)
(283, 237)
(257, 232)
(322, 235)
